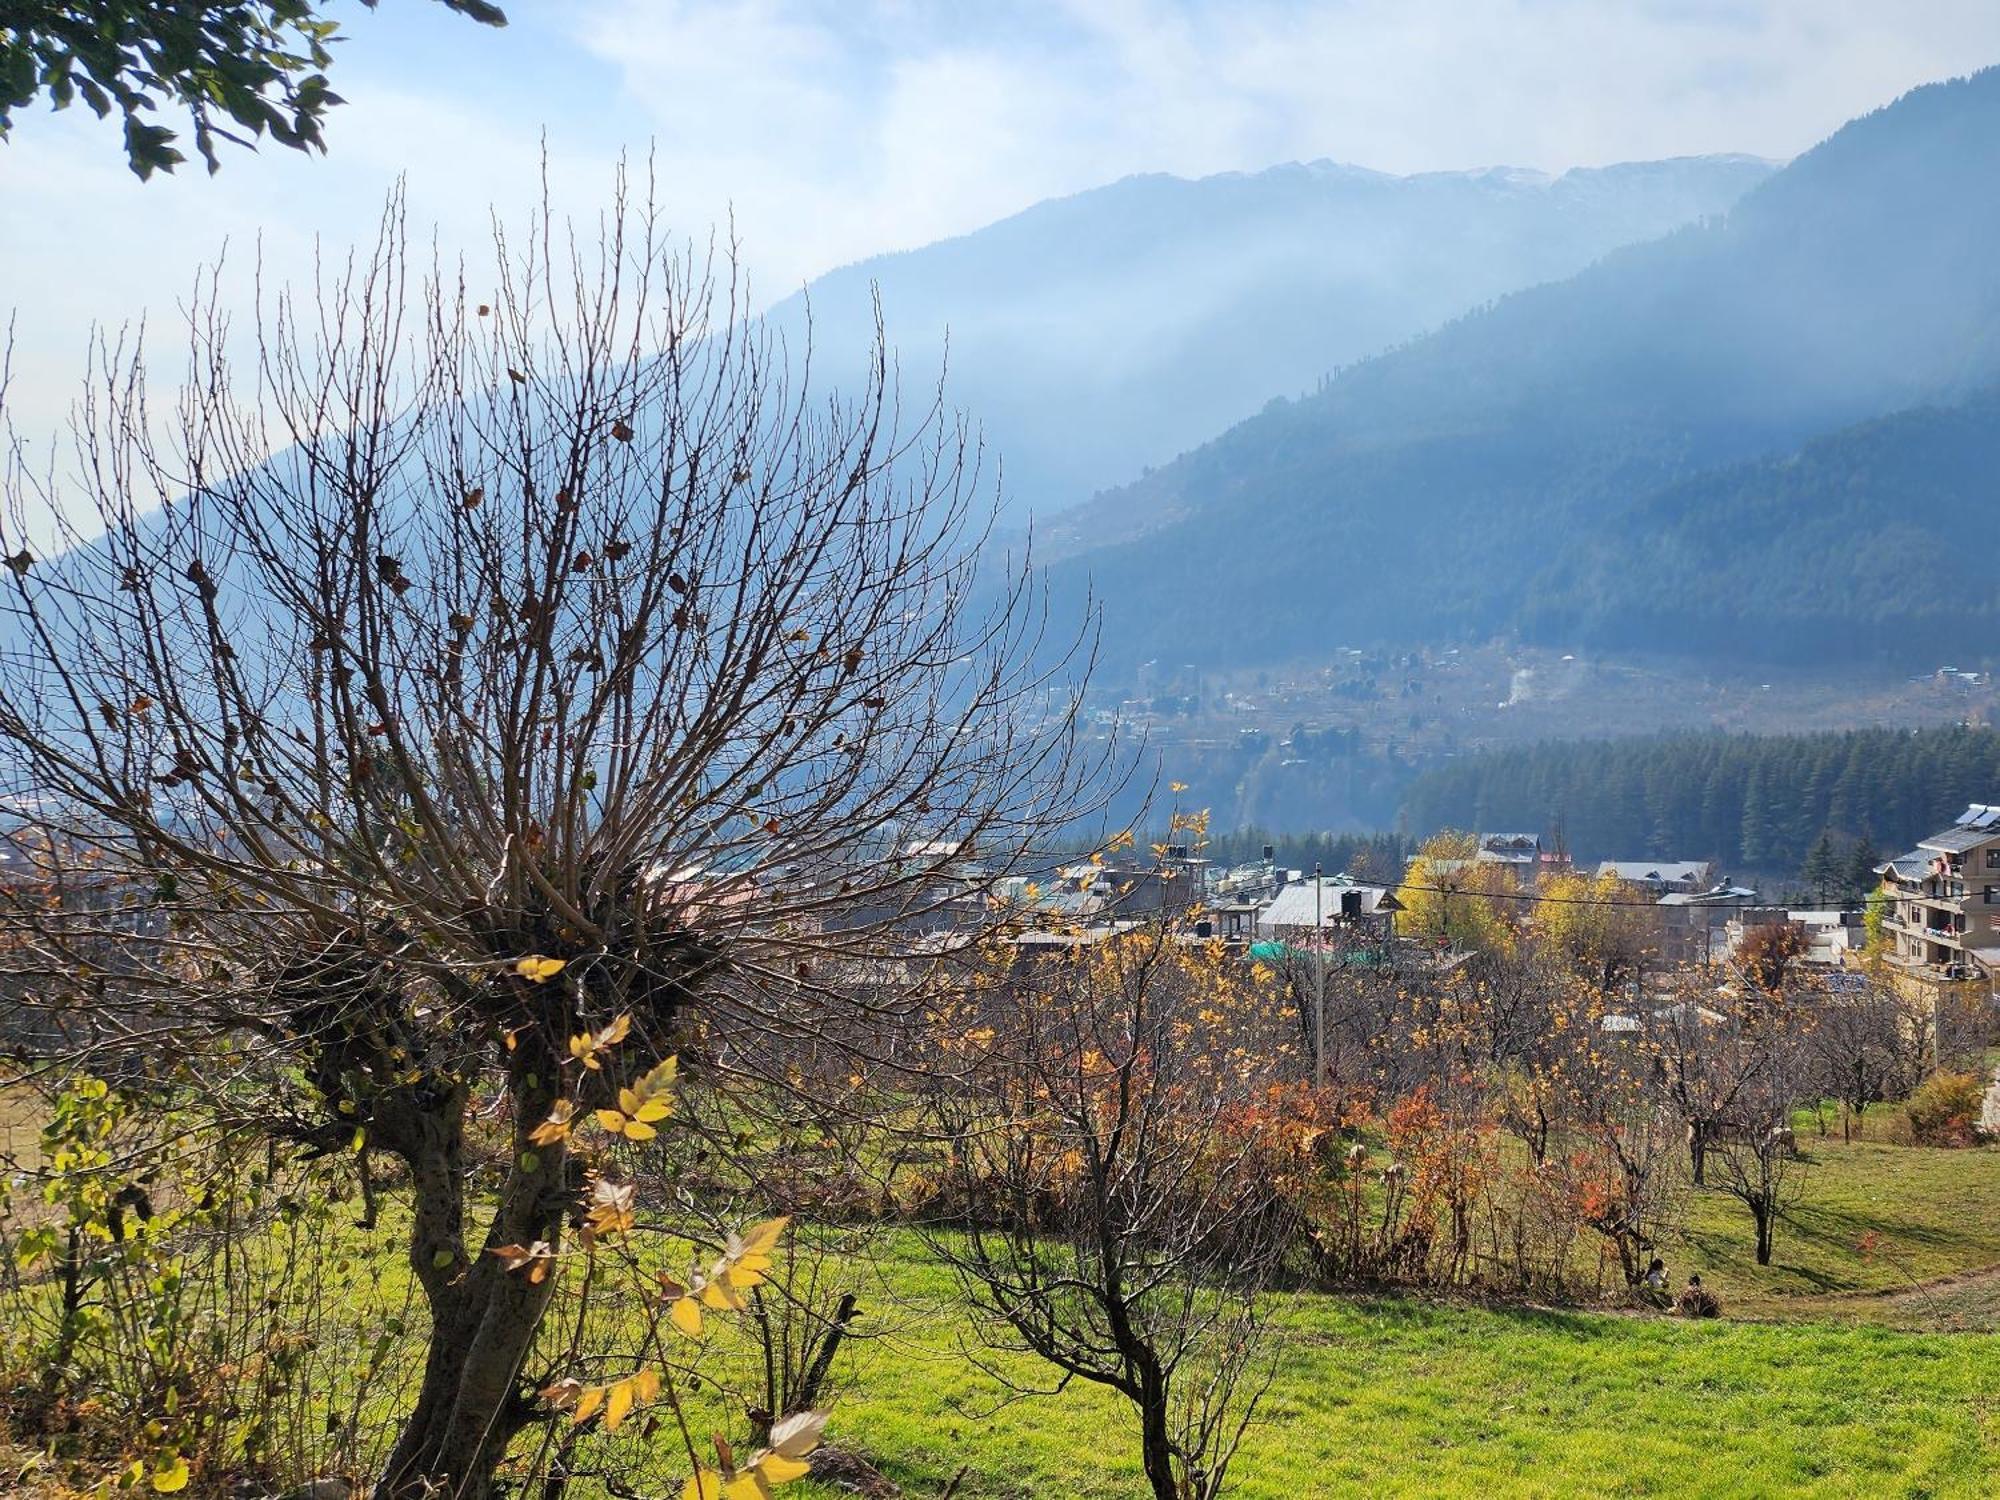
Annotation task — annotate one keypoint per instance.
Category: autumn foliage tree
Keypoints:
(1452, 898)
(1125, 1165)
(509, 663)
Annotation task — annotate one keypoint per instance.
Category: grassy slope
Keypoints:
(1932, 1214)
(1791, 1393)
(1399, 1396)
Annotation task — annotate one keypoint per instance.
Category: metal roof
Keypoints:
(1958, 840)
(1640, 871)
(1294, 906)
(1911, 866)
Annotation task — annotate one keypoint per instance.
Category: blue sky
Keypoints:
(833, 129)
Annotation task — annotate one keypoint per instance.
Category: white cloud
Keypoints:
(839, 130)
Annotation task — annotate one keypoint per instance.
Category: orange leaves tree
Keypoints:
(505, 655)
(1122, 1181)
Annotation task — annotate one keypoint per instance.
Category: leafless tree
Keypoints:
(1710, 1049)
(533, 611)
(1761, 1165)
(1733, 1064)
(1864, 1048)
(1114, 1205)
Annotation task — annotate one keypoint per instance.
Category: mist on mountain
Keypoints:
(1092, 336)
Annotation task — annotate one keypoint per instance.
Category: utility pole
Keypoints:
(1319, 980)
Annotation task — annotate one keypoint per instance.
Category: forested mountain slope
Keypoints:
(1748, 802)
(1877, 542)
(1424, 493)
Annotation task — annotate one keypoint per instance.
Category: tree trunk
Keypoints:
(1698, 1152)
(1765, 1224)
(483, 1319)
(1156, 1444)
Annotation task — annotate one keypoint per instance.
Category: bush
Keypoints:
(1944, 1111)
(1697, 1301)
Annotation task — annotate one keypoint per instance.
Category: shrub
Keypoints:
(1944, 1111)
(1697, 1301)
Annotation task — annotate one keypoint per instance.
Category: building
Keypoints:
(1335, 903)
(1945, 921)
(1831, 935)
(1519, 852)
(1660, 876)
(1695, 926)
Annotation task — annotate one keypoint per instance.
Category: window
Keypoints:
(1993, 859)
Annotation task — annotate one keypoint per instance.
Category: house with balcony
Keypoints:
(1945, 923)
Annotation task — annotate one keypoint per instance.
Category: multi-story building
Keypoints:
(1662, 877)
(1945, 923)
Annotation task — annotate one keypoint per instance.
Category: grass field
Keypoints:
(1795, 1391)
(1403, 1397)
(1833, 1372)
(1876, 1219)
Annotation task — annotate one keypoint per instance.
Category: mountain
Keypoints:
(1874, 542)
(1426, 494)
(1095, 335)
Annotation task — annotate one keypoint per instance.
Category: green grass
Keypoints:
(1794, 1391)
(1876, 1218)
(1399, 1396)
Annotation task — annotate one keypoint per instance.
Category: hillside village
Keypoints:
(1194, 750)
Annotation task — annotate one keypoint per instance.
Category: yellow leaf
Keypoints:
(723, 1298)
(587, 1403)
(646, 1384)
(639, 1130)
(585, 1048)
(541, 970)
(762, 1238)
(703, 1484)
(685, 1315)
(777, 1469)
(556, 1126)
(611, 1120)
(173, 1477)
(617, 1405)
(746, 1486)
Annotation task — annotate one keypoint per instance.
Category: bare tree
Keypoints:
(1733, 1065)
(505, 653)
(1114, 1204)
(1709, 1051)
(1761, 1165)
(1864, 1048)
